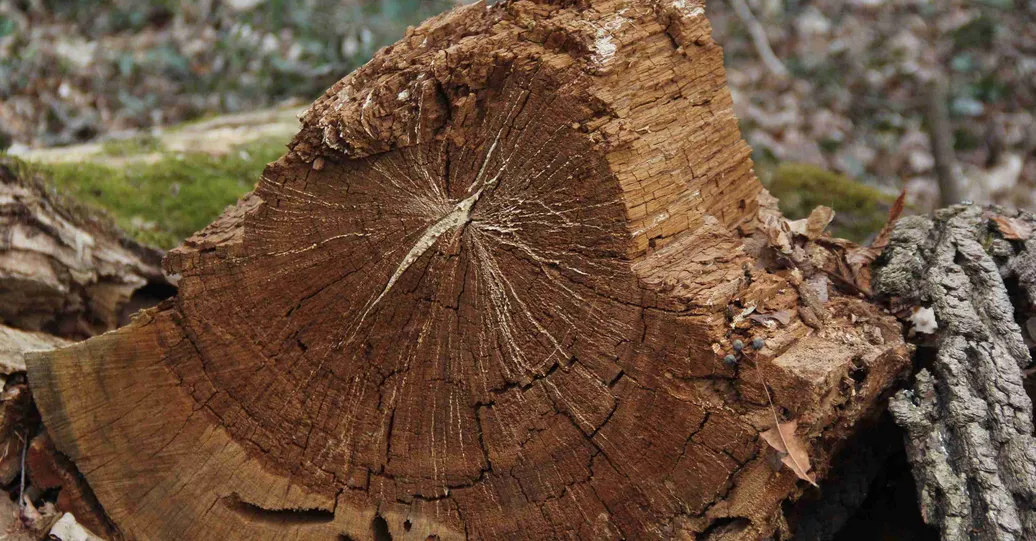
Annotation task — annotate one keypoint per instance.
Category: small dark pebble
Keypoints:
(758, 343)
(738, 345)
(730, 360)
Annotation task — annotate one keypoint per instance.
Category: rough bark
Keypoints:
(65, 273)
(64, 269)
(968, 420)
(489, 293)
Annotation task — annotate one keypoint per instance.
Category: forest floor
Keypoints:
(848, 116)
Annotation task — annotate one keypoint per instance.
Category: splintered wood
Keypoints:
(488, 294)
(64, 268)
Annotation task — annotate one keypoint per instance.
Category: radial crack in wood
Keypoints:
(486, 295)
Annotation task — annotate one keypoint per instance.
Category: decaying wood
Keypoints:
(968, 420)
(493, 291)
(64, 269)
(50, 470)
(822, 515)
(28, 461)
(65, 273)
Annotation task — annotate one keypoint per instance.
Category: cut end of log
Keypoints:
(488, 294)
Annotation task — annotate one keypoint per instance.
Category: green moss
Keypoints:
(164, 202)
(141, 144)
(861, 210)
(15, 170)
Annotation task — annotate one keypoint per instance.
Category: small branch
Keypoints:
(21, 491)
(759, 39)
(940, 133)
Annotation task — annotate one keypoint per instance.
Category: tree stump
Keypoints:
(968, 420)
(514, 279)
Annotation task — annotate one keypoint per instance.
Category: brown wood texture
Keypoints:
(488, 294)
(66, 272)
(64, 268)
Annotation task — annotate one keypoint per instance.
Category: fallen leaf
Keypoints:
(793, 452)
(818, 283)
(783, 317)
(1012, 229)
(818, 221)
(798, 227)
(777, 233)
(883, 236)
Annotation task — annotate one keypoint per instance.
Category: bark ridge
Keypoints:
(968, 420)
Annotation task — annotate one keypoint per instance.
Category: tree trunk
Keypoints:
(515, 279)
(968, 420)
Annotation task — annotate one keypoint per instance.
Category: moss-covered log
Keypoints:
(65, 273)
(64, 268)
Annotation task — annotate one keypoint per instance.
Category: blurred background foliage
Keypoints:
(845, 127)
(73, 69)
(859, 85)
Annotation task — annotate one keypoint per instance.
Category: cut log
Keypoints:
(967, 273)
(513, 280)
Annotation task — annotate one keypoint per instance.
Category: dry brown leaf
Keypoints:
(859, 258)
(793, 452)
(783, 317)
(813, 226)
(797, 227)
(883, 236)
(777, 233)
(1012, 229)
(782, 438)
(818, 221)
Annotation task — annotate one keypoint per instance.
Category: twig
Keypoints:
(940, 133)
(21, 492)
(759, 39)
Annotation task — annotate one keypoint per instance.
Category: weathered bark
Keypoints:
(64, 269)
(968, 420)
(489, 293)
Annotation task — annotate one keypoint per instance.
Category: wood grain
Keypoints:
(486, 295)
